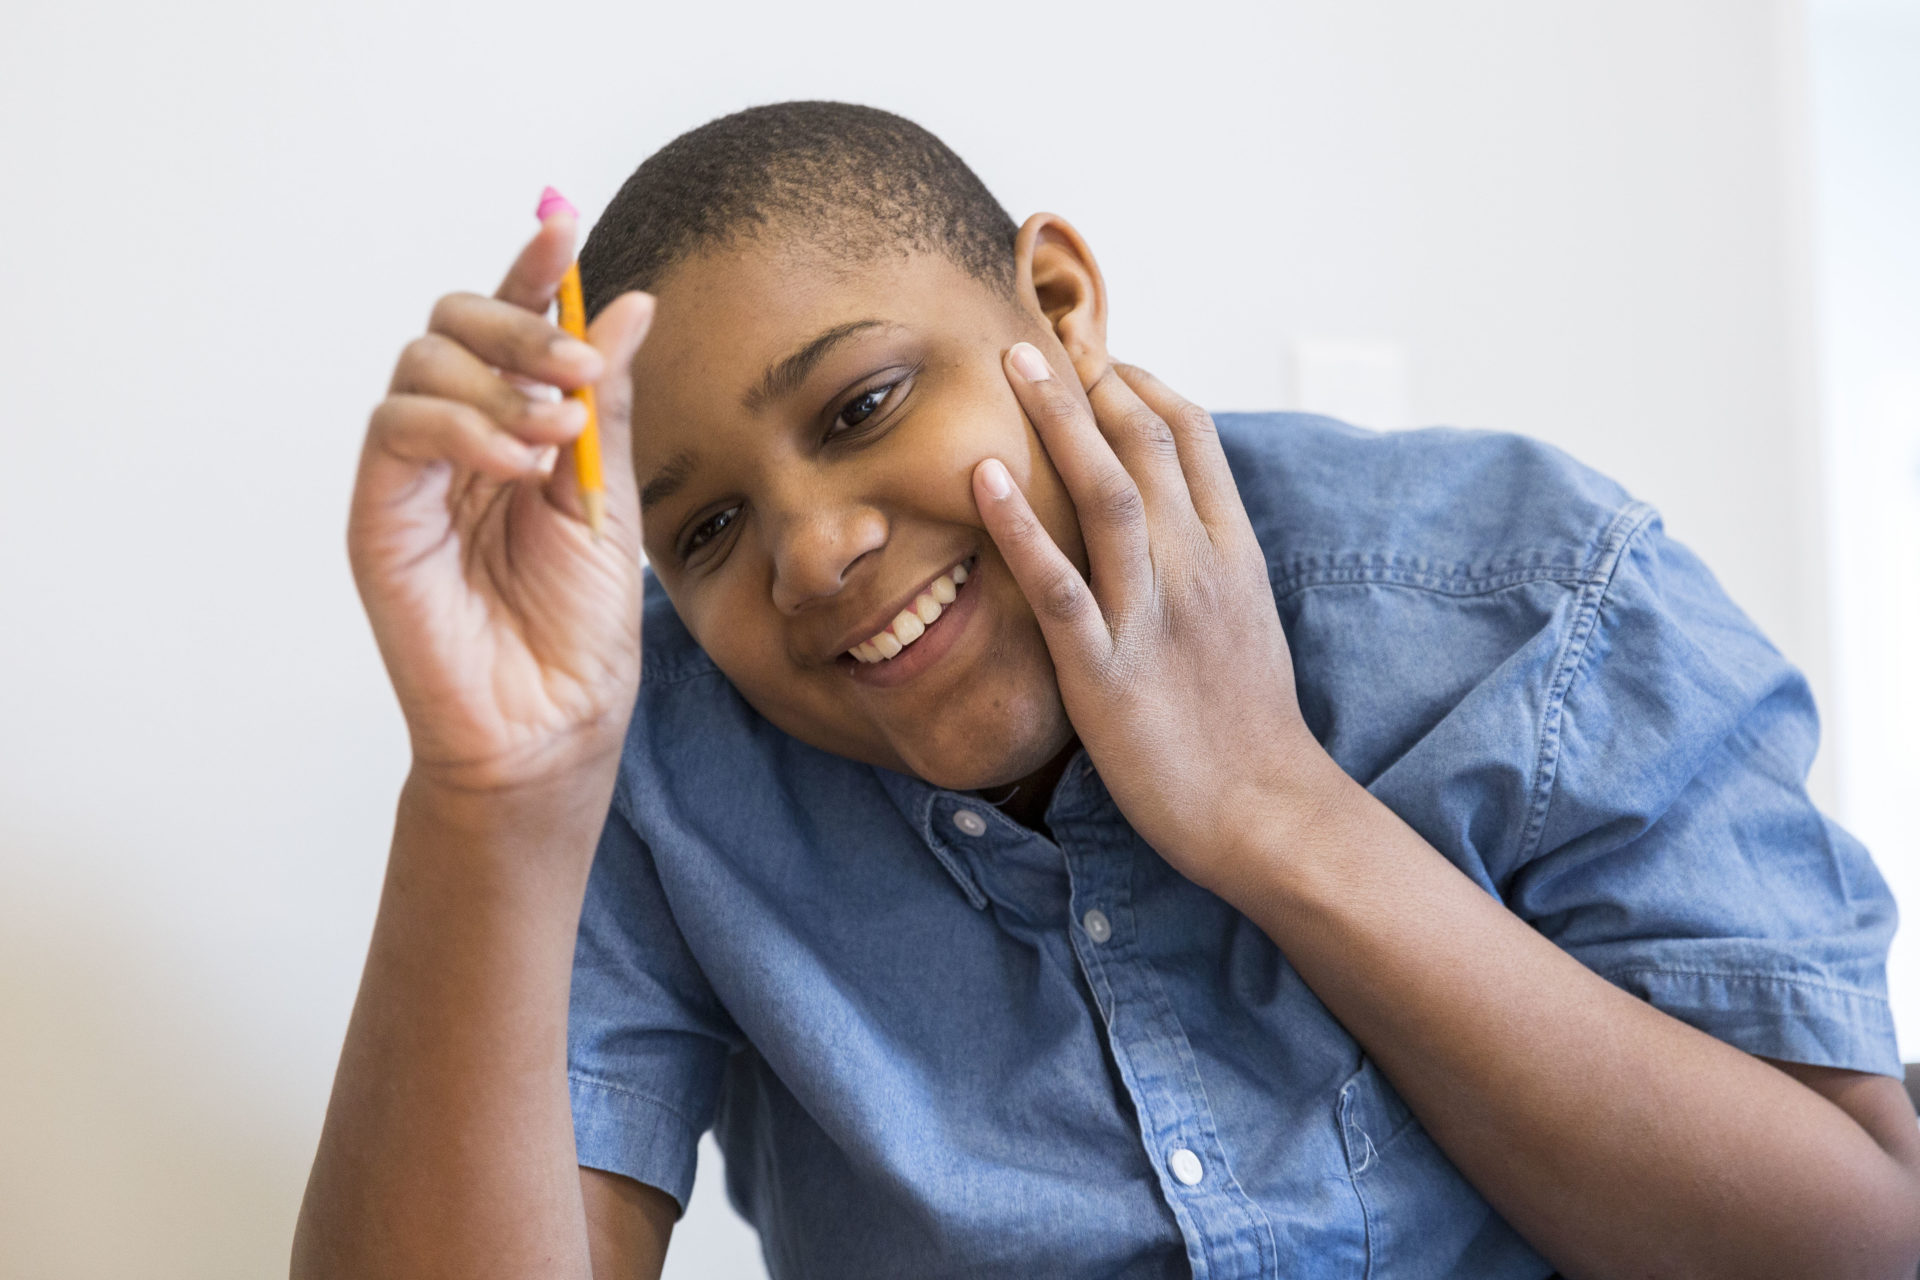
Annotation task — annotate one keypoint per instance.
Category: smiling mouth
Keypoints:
(912, 622)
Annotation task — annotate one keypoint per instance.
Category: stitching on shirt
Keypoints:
(1248, 1208)
(635, 1094)
(1395, 572)
(1770, 979)
(1625, 526)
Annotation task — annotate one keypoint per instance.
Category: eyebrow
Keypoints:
(780, 378)
(784, 375)
(668, 480)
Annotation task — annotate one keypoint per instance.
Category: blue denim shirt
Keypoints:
(935, 1043)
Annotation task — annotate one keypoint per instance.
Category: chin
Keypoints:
(1016, 745)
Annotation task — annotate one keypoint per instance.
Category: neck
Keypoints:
(1028, 803)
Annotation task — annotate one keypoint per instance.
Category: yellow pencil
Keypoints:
(573, 319)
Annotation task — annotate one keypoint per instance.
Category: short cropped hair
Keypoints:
(856, 181)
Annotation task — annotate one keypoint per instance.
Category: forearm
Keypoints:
(1618, 1140)
(448, 1145)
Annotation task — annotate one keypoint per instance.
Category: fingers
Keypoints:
(436, 365)
(1144, 443)
(616, 334)
(1070, 618)
(515, 341)
(534, 277)
(467, 393)
(1106, 498)
(1203, 462)
(415, 430)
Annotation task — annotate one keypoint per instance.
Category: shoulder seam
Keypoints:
(1626, 525)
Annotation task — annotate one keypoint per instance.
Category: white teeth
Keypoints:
(912, 622)
(907, 627)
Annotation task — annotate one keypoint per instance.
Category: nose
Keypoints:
(814, 550)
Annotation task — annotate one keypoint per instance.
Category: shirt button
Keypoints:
(1098, 927)
(970, 822)
(1186, 1166)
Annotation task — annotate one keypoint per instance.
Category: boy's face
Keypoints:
(821, 494)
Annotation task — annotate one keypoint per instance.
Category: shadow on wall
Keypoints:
(125, 1147)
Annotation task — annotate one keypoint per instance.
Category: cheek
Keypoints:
(993, 425)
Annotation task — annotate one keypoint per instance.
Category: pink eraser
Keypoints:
(552, 202)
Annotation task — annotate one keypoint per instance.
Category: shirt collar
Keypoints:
(928, 809)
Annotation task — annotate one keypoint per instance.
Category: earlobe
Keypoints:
(1056, 275)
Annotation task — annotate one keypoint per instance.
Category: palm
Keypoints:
(506, 626)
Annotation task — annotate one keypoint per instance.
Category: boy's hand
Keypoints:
(512, 637)
(1172, 662)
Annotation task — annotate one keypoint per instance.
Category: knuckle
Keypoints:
(419, 357)
(1192, 420)
(380, 423)
(1154, 436)
(447, 311)
(1118, 499)
(1063, 595)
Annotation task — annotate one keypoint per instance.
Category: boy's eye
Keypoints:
(860, 408)
(707, 530)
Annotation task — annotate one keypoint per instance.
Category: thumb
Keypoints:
(1070, 618)
(616, 333)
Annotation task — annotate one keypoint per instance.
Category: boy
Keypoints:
(1052, 833)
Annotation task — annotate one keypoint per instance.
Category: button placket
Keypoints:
(1156, 1063)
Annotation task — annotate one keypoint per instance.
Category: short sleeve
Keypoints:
(1678, 853)
(647, 1041)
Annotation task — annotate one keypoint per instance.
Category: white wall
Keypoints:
(222, 220)
(1866, 131)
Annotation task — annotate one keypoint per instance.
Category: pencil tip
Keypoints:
(552, 202)
(595, 502)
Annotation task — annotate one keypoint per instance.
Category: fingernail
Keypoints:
(993, 474)
(1030, 363)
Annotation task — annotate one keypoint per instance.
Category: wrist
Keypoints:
(1292, 811)
(550, 772)
(535, 822)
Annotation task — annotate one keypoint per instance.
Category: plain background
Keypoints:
(1606, 225)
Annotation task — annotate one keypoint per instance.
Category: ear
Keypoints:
(1056, 275)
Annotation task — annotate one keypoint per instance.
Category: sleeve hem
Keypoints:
(620, 1131)
(1806, 1020)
